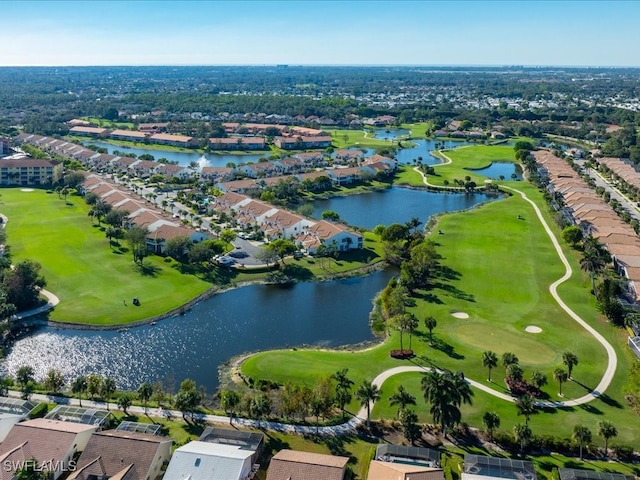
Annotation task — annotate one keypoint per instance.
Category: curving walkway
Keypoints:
(351, 425)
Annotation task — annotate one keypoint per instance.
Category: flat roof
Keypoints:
(575, 474)
(499, 467)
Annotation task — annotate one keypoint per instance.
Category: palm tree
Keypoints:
(229, 401)
(560, 375)
(430, 323)
(125, 402)
(402, 398)
(79, 386)
(259, 407)
(491, 421)
(526, 406)
(594, 265)
(489, 360)
(366, 394)
(522, 434)
(538, 379)
(411, 325)
(445, 391)
(145, 390)
(514, 372)
(570, 360)
(108, 389)
(343, 388)
(582, 435)
(509, 358)
(606, 430)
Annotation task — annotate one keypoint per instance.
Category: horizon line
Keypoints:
(346, 65)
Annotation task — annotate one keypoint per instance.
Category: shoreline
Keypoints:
(35, 321)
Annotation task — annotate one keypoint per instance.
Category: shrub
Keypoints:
(401, 354)
(40, 411)
(623, 452)
(522, 387)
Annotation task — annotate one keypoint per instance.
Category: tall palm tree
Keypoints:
(366, 394)
(145, 390)
(79, 386)
(593, 264)
(606, 430)
(445, 391)
(402, 398)
(560, 375)
(431, 323)
(570, 360)
(108, 389)
(526, 406)
(489, 360)
(509, 358)
(343, 388)
(411, 324)
(582, 435)
(491, 421)
(229, 401)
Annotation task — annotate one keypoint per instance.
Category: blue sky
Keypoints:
(360, 32)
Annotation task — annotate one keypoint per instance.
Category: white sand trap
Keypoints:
(26, 189)
(532, 329)
(460, 315)
(488, 180)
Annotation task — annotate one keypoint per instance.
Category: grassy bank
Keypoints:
(91, 279)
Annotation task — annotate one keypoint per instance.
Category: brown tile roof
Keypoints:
(43, 439)
(294, 465)
(129, 133)
(284, 218)
(111, 452)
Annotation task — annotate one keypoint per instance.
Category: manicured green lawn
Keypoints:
(497, 269)
(91, 280)
(406, 175)
(355, 138)
(467, 159)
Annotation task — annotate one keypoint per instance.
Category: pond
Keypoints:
(423, 149)
(396, 205)
(184, 158)
(388, 133)
(194, 345)
(506, 170)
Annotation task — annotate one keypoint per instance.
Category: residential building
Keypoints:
(208, 461)
(129, 135)
(153, 127)
(480, 467)
(294, 465)
(12, 411)
(52, 443)
(89, 131)
(4, 147)
(401, 471)
(28, 171)
(237, 143)
(173, 140)
(240, 438)
(123, 455)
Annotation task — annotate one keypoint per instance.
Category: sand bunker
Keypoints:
(460, 315)
(488, 180)
(532, 329)
(26, 189)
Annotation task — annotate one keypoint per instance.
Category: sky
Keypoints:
(320, 32)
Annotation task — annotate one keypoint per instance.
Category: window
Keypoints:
(197, 462)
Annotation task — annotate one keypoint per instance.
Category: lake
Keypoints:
(247, 319)
(396, 205)
(185, 158)
(501, 169)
